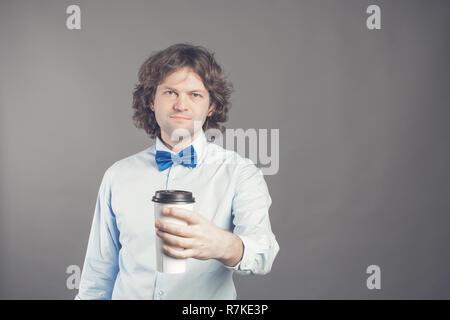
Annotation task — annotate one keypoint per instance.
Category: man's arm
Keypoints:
(101, 262)
(234, 250)
(250, 248)
(250, 211)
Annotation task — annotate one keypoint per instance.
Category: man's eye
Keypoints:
(170, 92)
(196, 95)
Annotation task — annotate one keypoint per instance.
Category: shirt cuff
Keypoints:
(245, 265)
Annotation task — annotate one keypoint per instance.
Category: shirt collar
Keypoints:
(199, 143)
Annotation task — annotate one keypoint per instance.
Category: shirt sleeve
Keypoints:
(101, 262)
(250, 211)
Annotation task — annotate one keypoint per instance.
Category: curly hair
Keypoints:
(162, 63)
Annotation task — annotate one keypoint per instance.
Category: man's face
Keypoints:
(180, 101)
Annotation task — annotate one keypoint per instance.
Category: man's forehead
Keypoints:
(184, 78)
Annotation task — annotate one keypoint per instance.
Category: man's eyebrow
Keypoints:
(173, 89)
(167, 87)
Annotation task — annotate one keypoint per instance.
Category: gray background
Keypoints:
(363, 116)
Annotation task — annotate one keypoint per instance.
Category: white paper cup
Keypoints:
(177, 199)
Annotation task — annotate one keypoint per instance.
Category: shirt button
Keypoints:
(160, 292)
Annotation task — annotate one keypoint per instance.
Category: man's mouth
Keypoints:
(180, 117)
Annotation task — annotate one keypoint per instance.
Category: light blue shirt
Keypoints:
(229, 190)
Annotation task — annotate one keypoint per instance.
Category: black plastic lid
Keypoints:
(173, 196)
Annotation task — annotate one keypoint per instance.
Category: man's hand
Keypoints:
(201, 238)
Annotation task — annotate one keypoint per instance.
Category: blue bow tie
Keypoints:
(187, 157)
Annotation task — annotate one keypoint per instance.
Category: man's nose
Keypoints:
(181, 103)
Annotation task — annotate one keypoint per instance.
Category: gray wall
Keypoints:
(363, 116)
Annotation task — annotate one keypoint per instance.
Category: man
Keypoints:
(181, 93)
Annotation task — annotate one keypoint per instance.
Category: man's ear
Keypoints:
(152, 107)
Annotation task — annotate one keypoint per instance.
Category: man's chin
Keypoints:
(181, 133)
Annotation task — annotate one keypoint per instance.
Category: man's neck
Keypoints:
(177, 146)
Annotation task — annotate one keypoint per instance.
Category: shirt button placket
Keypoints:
(172, 176)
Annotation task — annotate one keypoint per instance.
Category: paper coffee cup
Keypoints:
(163, 199)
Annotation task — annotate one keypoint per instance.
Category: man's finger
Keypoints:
(177, 253)
(175, 241)
(191, 217)
(175, 229)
